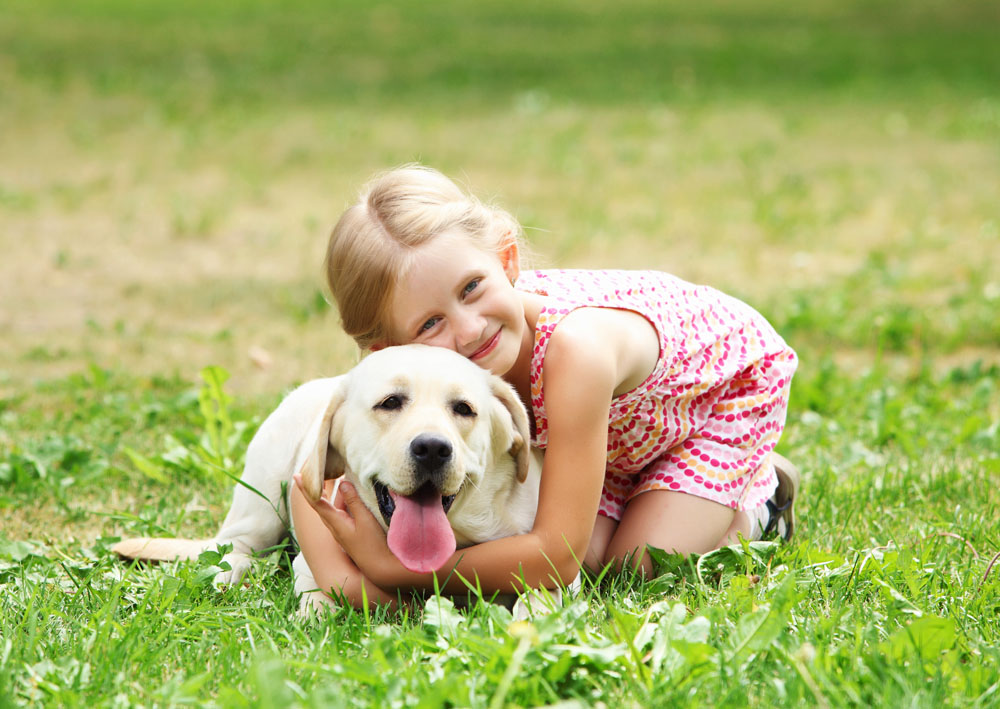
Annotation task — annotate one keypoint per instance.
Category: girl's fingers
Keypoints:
(338, 498)
(350, 506)
(348, 498)
(351, 523)
(337, 519)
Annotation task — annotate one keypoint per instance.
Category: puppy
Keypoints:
(436, 447)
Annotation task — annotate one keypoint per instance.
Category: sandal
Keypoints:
(781, 506)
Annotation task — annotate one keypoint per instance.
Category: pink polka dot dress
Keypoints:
(707, 418)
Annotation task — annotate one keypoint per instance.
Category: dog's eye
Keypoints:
(391, 403)
(462, 408)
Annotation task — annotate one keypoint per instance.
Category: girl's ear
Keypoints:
(509, 259)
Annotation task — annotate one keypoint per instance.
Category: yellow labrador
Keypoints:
(436, 447)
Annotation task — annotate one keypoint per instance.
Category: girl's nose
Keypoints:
(469, 328)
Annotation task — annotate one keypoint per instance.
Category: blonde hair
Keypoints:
(371, 245)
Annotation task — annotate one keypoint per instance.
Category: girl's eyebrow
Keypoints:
(469, 276)
(466, 278)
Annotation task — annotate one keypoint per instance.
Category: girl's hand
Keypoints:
(357, 531)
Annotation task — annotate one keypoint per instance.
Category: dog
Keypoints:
(437, 448)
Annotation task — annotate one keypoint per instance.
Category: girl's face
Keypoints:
(459, 296)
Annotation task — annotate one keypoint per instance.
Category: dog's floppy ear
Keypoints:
(520, 447)
(323, 460)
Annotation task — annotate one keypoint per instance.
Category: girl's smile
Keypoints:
(487, 348)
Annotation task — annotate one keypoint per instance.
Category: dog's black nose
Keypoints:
(430, 452)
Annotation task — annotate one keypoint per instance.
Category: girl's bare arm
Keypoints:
(329, 563)
(581, 373)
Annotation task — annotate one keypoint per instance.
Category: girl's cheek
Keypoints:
(440, 340)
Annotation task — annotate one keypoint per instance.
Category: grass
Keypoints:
(886, 597)
(170, 170)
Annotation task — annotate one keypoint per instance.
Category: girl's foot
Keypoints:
(781, 507)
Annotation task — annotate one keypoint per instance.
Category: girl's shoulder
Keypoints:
(597, 285)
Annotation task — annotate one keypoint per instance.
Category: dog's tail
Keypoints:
(161, 548)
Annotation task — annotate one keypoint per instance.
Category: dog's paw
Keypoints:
(239, 564)
(536, 602)
(542, 601)
(315, 603)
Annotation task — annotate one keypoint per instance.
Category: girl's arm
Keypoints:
(330, 565)
(581, 373)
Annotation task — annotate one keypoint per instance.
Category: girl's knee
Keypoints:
(673, 521)
(622, 553)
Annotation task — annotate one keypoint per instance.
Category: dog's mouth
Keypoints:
(387, 503)
(419, 535)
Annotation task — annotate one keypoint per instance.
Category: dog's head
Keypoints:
(412, 427)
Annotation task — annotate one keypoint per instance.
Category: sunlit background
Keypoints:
(169, 171)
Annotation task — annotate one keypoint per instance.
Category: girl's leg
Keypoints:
(600, 539)
(674, 521)
(742, 526)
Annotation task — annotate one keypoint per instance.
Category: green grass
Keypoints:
(603, 51)
(170, 169)
(885, 596)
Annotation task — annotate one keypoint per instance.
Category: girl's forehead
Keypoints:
(453, 242)
(446, 255)
(438, 267)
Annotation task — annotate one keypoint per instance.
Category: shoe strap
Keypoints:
(774, 514)
(773, 506)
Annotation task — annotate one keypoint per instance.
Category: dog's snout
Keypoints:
(430, 452)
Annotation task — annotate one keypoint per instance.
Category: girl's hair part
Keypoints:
(371, 244)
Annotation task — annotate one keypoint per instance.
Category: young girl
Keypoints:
(658, 402)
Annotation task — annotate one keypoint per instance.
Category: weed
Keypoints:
(214, 454)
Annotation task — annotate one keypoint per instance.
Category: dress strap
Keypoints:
(548, 318)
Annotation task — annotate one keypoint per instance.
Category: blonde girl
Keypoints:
(658, 402)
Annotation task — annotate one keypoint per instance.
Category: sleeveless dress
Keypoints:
(707, 418)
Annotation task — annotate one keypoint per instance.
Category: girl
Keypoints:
(658, 403)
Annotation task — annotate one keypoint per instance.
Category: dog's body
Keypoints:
(417, 430)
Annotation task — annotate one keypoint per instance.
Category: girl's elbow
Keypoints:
(564, 567)
(569, 572)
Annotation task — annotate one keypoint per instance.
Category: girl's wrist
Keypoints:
(390, 574)
(363, 589)
(384, 570)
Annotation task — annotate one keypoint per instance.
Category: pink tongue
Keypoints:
(419, 533)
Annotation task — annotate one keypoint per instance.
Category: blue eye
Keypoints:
(431, 322)
(471, 286)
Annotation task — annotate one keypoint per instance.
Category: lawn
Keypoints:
(169, 172)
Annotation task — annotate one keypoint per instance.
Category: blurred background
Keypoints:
(169, 171)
